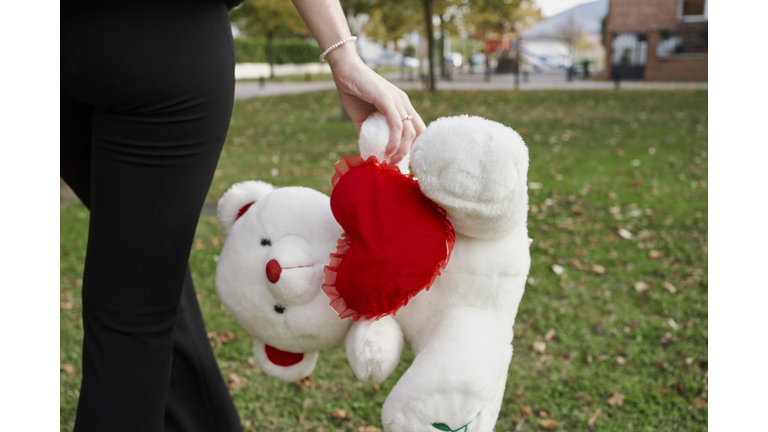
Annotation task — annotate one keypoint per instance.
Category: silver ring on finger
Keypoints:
(407, 117)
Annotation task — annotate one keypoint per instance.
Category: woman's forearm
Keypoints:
(328, 25)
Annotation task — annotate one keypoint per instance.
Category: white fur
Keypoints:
(236, 197)
(461, 329)
(303, 233)
(287, 373)
(374, 136)
(472, 167)
(374, 348)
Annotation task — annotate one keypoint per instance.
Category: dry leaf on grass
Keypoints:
(577, 211)
(547, 424)
(544, 414)
(621, 360)
(668, 337)
(550, 335)
(368, 429)
(236, 381)
(211, 335)
(539, 347)
(306, 382)
(669, 287)
(616, 399)
(593, 419)
(641, 286)
(698, 403)
(598, 269)
(654, 254)
(340, 414)
(226, 336)
(68, 369)
(525, 411)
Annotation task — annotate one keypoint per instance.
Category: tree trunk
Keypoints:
(430, 43)
(270, 58)
(443, 72)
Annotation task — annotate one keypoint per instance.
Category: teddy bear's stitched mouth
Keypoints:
(282, 358)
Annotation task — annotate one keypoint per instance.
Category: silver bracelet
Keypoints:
(336, 45)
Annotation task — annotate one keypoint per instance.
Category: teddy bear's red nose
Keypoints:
(273, 271)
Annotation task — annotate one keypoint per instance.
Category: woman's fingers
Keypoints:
(406, 142)
(390, 109)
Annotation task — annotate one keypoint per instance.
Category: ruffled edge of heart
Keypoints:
(345, 164)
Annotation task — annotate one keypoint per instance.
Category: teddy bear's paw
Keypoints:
(453, 410)
(284, 365)
(374, 136)
(374, 348)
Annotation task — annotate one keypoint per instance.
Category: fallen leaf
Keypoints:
(625, 234)
(340, 414)
(667, 338)
(598, 269)
(211, 335)
(557, 269)
(306, 382)
(545, 358)
(539, 347)
(601, 357)
(226, 336)
(376, 387)
(69, 369)
(621, 360)
(641, 286)
(236, 381)
(517, 396)
(698, 403)
(547, 424)
(583, 396)
(616, 399)
(368, 429)
(679, 387)
(669, 287)
(543, 414)
(576, 211)
(593, 419)
(199, 297)
(662, 390)
(525, 411)
(550, 335)
(575, 264)
(654, 254)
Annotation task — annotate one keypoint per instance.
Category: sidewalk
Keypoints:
(540, 81)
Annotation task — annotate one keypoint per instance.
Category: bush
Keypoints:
(253, 50)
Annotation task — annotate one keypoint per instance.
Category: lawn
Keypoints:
(617, 289)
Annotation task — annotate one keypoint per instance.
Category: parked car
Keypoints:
(389, 59)
(411, 62)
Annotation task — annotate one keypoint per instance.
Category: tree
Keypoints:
(271, 19)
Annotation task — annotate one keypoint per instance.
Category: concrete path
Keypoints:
(540, 81)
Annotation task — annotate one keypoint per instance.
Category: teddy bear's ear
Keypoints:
(238, 199)
(374, 136)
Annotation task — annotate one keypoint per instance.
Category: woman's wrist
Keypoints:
(343, 55)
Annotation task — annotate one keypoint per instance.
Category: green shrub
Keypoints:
(253, 50)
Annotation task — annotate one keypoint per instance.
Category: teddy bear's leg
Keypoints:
(475, 169)
(374, 348)
(458, 376)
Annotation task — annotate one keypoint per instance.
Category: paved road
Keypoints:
(540, 81)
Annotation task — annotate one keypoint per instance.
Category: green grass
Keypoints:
(319, 76)
(591, 152)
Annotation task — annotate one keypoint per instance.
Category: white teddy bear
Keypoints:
(270, 273)
(461, 329)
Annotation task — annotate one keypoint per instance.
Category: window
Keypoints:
(692, 10)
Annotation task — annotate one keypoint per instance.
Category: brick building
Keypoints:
(656, 40)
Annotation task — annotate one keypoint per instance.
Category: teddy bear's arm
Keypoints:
(374, 348)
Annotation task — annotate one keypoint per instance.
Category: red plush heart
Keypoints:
(395, 239)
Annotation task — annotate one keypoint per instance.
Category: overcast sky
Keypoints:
(554, 7)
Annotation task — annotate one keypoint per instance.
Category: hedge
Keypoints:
(252, 50)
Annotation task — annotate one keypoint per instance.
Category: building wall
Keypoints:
(676, 67)
(636, 16)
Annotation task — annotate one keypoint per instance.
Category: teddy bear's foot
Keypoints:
(374, 348)
(457, 380)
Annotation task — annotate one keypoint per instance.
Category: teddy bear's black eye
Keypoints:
(279, 308)
(266, 242)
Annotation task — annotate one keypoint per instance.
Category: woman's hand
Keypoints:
(363, 92)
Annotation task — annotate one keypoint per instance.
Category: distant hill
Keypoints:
(587, 15)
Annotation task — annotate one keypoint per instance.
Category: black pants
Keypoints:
(147, 92)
